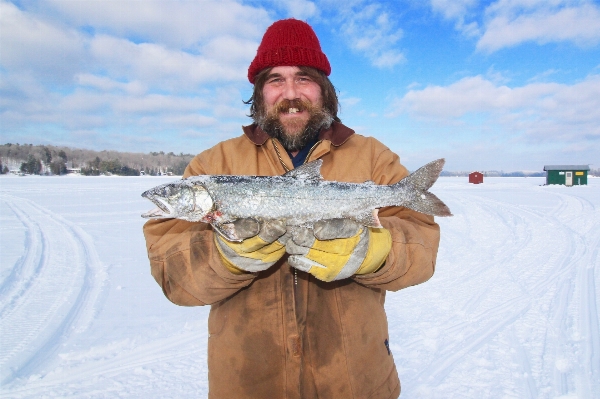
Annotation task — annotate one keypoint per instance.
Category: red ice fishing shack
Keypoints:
(475, 177)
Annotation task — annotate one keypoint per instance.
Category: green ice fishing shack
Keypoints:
(568, 175)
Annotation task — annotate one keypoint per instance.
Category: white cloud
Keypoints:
(511, 23)
(472, 94)
(497, 77)
(458, 10)
(299, 9)
(106, 84)
(187, 120)
(158, 65)
(100, 104)
(85, 110)
(83, 103)
(173, 23)
(538, 111)
(158, 104)
(148, 68)
(229, 50)
(543, 75)
(229, 104)
(348, 101)
(369, 29)
(452, 8)
(55, 52)
(507, 23)
(30, 43)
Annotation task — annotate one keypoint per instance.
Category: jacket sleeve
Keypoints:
(415, 236)
(185, 262)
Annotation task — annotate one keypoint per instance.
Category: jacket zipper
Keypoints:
(311, 151)
(287, 170)
(279, 155)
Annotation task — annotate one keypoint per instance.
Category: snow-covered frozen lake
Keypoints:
(512, 311)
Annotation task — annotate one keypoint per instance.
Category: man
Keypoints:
(298, 313)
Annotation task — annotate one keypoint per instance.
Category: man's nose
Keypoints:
(290, 91)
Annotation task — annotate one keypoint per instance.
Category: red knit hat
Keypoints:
(289, 42)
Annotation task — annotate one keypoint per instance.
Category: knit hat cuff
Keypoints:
(289, 56)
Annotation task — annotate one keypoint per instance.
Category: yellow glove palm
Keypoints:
(334, 259)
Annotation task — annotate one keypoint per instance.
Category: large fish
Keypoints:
(300, 197)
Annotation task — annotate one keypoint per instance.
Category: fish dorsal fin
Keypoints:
(309, 171)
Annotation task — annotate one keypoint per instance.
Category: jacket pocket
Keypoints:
(370, 361)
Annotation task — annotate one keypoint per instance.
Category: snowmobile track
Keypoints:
(56, 284)
(546, 269)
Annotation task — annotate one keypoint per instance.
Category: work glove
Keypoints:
(336, 249)
(262, 245)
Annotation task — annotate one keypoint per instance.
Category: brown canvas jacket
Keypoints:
(277, 334)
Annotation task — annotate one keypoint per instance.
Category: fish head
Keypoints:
(180, 200)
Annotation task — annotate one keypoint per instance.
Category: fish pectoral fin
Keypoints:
(370, 218)
(309, 171)
(227, 230)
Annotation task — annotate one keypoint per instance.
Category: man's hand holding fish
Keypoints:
(262, 245)
(336, 249)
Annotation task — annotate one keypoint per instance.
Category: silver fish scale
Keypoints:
(300, 202)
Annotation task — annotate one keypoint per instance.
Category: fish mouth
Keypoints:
(163, 210)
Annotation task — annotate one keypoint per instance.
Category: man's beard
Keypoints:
(297, 134)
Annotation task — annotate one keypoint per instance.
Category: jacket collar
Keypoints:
(337, 134)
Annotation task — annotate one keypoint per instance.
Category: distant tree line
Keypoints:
(53, 160)
(496, 173)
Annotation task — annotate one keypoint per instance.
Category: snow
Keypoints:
(512, 311)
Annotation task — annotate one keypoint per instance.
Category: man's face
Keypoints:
(289, 94)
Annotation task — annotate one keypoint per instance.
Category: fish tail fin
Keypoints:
(419, 182)
(431, 205)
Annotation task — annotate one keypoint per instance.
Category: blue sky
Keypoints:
(489, 85)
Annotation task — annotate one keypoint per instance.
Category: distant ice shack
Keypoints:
(476, 177)
(568, 175)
